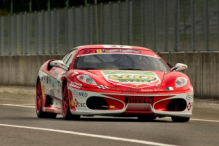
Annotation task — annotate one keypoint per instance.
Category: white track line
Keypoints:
(204, 120)
(27, 106)
(89, 135)
(18, 105)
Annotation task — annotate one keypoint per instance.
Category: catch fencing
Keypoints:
(161, 25)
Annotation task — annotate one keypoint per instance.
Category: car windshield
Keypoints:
(119, 62)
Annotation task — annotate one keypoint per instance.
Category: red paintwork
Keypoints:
(167, 80)
(161, 106)
(117, 105)
(51, 109)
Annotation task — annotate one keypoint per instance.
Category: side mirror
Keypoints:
(59, 63)
(179, 67)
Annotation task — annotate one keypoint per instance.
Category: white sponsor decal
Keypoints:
(116, 46)
(75, 85)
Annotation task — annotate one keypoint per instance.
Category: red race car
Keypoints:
(113, 80)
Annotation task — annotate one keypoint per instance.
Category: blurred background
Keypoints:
(180, 31)
(55, 26)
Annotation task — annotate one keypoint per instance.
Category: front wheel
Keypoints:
(66, 113)
(180, 119)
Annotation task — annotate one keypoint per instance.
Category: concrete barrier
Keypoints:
(202, 70)
(22, 70)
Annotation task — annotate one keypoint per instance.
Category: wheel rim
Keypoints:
(65, 101)
(38, 97)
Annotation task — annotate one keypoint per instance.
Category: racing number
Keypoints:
(98, 51)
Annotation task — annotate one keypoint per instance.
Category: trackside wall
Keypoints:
(202, 70)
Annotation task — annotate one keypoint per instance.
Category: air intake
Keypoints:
(176, 105)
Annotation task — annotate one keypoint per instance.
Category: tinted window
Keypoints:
(120, 62)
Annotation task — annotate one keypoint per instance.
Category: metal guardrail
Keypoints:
(163, 26)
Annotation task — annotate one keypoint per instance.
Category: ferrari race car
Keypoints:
(113, 80)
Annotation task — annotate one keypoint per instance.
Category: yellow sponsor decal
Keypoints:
(105, 106)
(99, 51)
(130, 78)
(72, 103)
(112, 106)
(43, 92)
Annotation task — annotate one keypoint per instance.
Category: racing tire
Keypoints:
(66, 113)
(39, 104)
(146, 118)
(180, 119)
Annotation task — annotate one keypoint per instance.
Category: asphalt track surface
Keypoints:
(20, 126)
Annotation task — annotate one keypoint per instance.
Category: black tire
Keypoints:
(66, 113)
(180, 119)
(146, 118)
(39, 111)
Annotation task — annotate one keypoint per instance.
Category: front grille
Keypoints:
(139, 99)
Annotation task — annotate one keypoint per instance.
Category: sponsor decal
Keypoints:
(79, 104)
(117, 50)
(139, 100)
(51, 92)
(132, 90)
(72, 103)
(82, 94)
(189, 97)
(169, 88)
(44, 79)
(98, 51)
(151, 90)
(43, 92)
(116, 46)
(132, 77)
(75, 85)
(52, 81)
(75, 92)
(111, 106)
(55, 73)
(189, 106)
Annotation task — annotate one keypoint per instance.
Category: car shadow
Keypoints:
(115, 119)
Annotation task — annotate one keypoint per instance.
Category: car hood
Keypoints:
(131, 78)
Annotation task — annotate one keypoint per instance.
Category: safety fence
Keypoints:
(161, 25)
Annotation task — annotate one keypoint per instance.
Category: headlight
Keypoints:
(181, 81)
(86, 79)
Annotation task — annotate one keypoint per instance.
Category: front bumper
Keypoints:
(116, 104)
